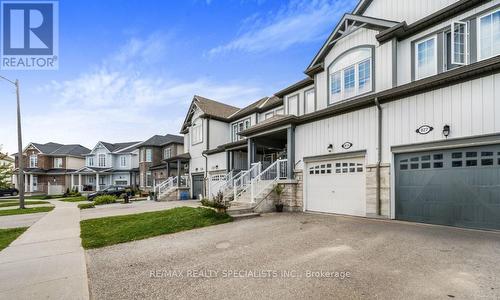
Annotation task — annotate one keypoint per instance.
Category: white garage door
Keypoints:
(337, 186)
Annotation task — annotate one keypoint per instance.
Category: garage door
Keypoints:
(459, 187)
(337, 186)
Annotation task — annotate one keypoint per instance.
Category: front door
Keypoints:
(197, 186)
(35, 183)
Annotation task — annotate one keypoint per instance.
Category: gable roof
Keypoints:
(161, 140)
(117, 147)
(60, 149)
(348, 24)
(210, 108)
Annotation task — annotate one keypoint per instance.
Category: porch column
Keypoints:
(31, 182)
(290, 151)
(251, 149)
(25, 182)
(80, 182)
(167, 167)
(228, 162)
(72, 181)
(178, 173)
(97, 187)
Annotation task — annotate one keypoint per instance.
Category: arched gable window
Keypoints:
(351, 74)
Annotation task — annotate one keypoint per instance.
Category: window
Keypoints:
(280, 111)
(102, 160)
(351, 75)
(309, 102)
(149, 155)
(458, 43)
(149, 179)
(489, 35)
(197, 133)
(33, 161)
(58, 162)
(239, 127)
(426, 58)
(268, 115)
(123, 161)
(167, 153)
(90, 161)
(293, 105)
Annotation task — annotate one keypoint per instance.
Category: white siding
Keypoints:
(301, 95)
(197, 163)
(470, 108)
(218, 133)
(262, 116)
(405, 10)
(217, 162)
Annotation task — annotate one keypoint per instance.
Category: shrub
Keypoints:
(47, 197)
(105, 199)
(86, 205)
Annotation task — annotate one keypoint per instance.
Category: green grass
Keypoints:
(16, 203)
(73, 199)
(96, 233)
(7, 236)
(86, 205)
(17, 211)
(37, 197)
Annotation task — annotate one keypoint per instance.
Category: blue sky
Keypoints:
(128, 69)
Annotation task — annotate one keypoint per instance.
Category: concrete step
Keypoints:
(237, 217)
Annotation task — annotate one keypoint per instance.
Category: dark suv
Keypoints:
(111, 190)
(9, 191)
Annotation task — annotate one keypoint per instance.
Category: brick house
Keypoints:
(48, 166)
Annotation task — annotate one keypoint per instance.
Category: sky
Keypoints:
(128, 69)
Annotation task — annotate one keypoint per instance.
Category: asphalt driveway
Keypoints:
(296, 256)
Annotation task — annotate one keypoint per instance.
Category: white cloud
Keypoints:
(297, 23)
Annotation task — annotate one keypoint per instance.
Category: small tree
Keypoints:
(6, 172)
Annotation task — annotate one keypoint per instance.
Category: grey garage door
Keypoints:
(459, 187)
(197, 186)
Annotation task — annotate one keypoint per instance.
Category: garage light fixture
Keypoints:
(330, 148)
(446, 130)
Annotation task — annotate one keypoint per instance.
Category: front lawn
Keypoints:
(7, 236)
(16, 203)
(74, 199)
(96, 233)
(32, 210)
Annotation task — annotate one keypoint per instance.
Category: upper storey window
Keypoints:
(239, 127)
(293, 105)
(197, 132)
(351, 75)
(489, 35)
(426, 58)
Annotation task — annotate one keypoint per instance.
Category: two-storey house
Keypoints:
(153, 153)
(396, 119)
(47, 167)
(108, 164)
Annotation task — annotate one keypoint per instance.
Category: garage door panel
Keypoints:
(459, 187)
(336, 186)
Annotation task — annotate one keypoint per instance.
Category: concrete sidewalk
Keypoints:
(47, 261)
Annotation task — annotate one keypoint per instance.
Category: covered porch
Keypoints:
(92, 180)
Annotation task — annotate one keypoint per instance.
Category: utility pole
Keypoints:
(20, 161)
(20, 179)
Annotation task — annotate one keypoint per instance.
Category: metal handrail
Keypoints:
(241, 184)
(271, 174)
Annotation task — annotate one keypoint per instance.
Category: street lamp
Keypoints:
(20, 174)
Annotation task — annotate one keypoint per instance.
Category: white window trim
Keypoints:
(123, 161)
(54, 163)
(167, 151)
(150, 159)
(306, 92)
(193, 141)
(235, 128)
(35, 160)
(356, 93)
(478, 39)
(90, 161)
(288, 103)
(99, 160)
(466, 43)
(434, 37)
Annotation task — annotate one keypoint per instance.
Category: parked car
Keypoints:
(9, 191)
(111, 190)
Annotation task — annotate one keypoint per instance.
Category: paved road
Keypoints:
(385, 259)
(47, 261)
(135, 207)
(20, 220)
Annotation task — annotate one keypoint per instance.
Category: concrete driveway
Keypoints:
(134, 207)
(288, 256)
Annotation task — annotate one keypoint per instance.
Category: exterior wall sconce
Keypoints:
(446, 130)
(330, 148)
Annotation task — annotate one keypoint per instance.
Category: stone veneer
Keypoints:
(371, 190)
(292, 197)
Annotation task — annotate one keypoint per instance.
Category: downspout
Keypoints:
(206, 158)
(379, 156)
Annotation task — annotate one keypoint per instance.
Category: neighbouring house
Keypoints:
(108, 164)
(398, 118)
(48, 167)
(8, 161)
(153, 153)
